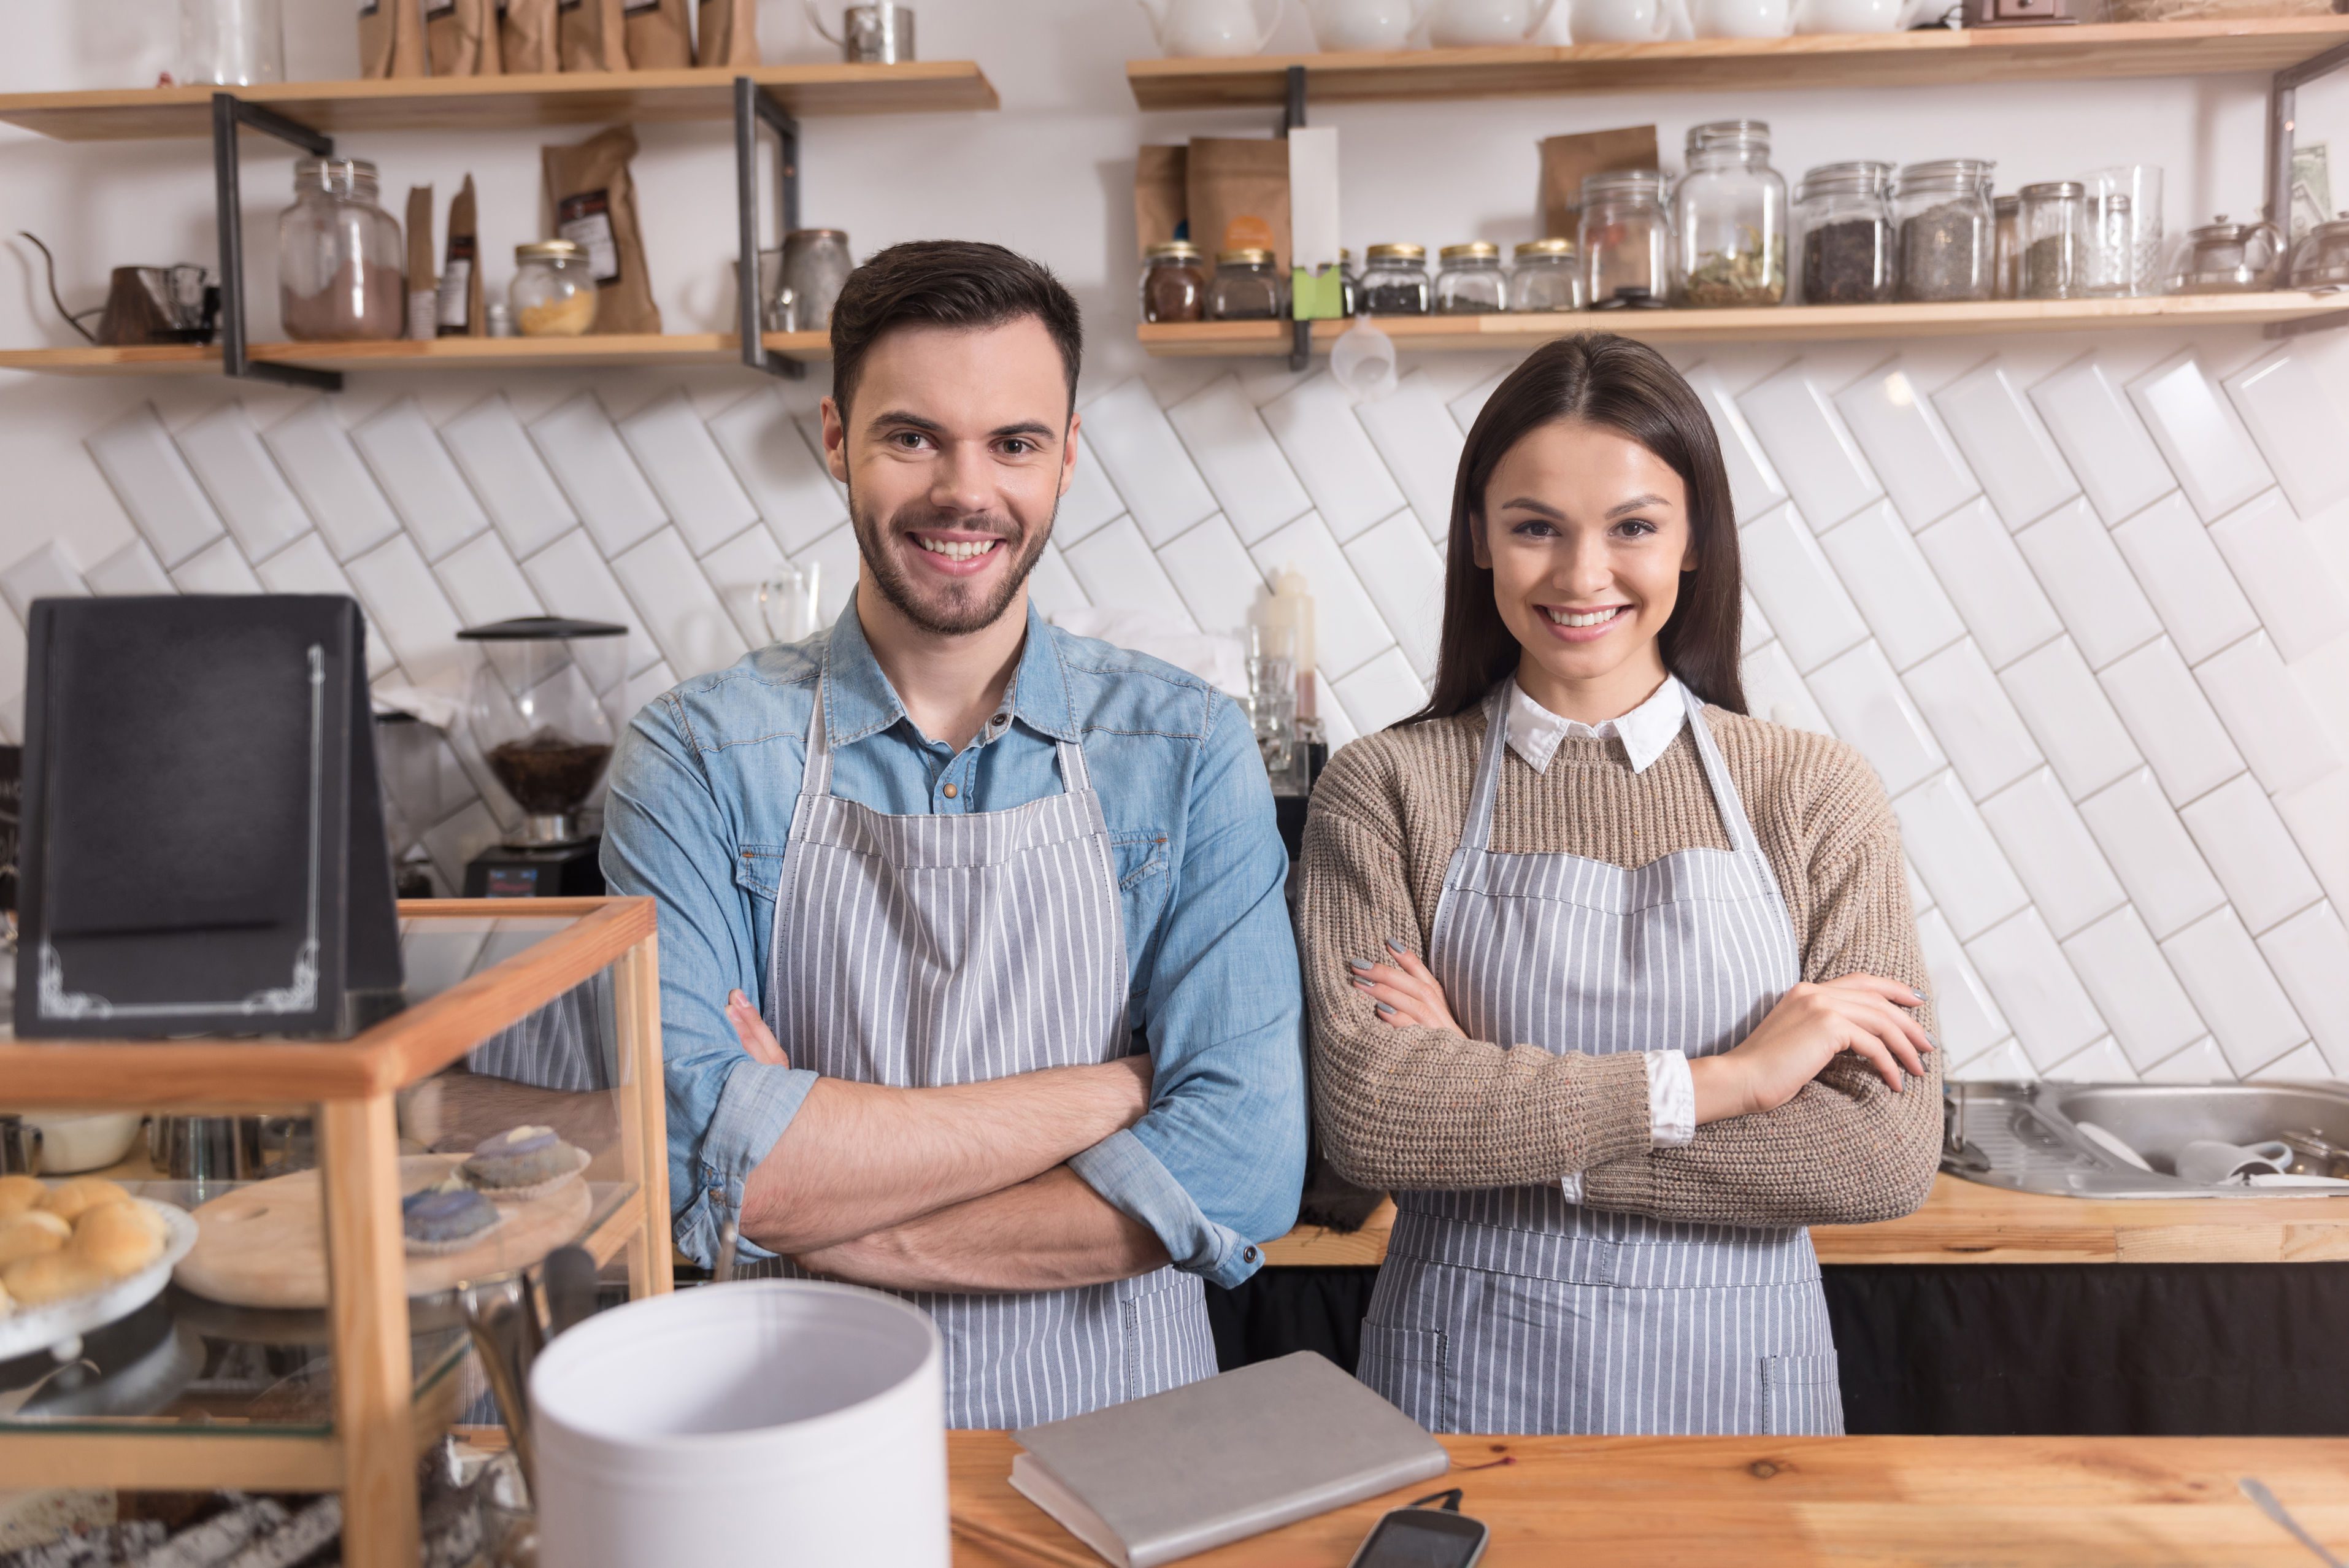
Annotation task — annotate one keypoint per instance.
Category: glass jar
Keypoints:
(1349, 284)
(232, 43)
(1947, 234)
(2055, 240)
(1626, 239)
(2006, 248)
(554, 289)
(339, 258)
(1729, 219)
(1843, 213)
(1395, 281)
(1548, 276)
(1173, 282)
(1471, 281)
(1246, 288)
(2321, 260)
(2125, 230)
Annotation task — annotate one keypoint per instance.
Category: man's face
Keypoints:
(958, 445)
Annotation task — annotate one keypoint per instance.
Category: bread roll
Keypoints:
(68, 1201)
(30, 1234)
(52, 1276)
(18, 1193)
(120, 1238)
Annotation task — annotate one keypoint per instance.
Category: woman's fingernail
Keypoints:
(1365, 985)
(1383, 1010)
(1398, 946)
(1922, 997)
(1359, 967)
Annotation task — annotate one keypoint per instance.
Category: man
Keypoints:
(932, 883)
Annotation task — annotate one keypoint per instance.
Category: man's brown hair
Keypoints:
(947, 283)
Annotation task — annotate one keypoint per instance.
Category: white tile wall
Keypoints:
(48, 573)
(1899, 550)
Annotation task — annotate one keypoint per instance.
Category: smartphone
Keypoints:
(1423, 1538)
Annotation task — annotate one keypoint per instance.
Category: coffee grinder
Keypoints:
(545, 736)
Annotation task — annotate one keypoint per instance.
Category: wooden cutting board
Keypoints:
(265, 1245)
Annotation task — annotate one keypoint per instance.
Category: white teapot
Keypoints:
(1211, 29)
(1340, 24)
(1472, 23)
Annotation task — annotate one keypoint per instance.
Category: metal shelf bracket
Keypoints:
(754, 106)
(230, 113)
(2283, 90)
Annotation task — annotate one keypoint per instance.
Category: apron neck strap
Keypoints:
(1724, 792)
(1477, 833)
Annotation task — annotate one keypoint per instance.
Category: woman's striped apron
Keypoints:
(927, 949)
(1512, 1310)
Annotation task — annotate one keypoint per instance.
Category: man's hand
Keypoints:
(757, 1039)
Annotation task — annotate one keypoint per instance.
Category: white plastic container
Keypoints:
(766, 1422)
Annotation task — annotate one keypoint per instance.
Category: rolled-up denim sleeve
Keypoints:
(666, 838)
(1217, 1164)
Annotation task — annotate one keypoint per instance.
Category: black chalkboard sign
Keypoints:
(203, 847)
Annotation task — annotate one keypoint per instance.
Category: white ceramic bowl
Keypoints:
(74, 1141)
(763, 1422)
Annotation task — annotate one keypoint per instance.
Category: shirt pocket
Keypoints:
(758, 870)
(1801, 1396)
(1139, 860)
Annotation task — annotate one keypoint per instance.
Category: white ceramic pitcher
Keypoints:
(1211, 29)
(1344, 24)
(1474, 24)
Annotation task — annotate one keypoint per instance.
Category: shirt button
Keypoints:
(1247, 1254)
(950, 791)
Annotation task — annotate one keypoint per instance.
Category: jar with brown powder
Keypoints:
(340, 257)
(1173, 282)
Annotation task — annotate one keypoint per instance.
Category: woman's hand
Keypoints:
(759, 1041)
(1809, 1028)
(1402, 991)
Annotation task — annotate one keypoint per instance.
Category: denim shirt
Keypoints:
(702, 791)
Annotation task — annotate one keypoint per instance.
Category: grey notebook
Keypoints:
(1161, 1478)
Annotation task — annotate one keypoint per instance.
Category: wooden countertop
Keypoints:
(1647, 1501)
(1966, 1222)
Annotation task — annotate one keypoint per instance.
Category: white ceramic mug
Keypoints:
(742, 1426)
(1742, 19)
(1375, 25)
(1481, 24)
(1863, 15)
(1622, 21)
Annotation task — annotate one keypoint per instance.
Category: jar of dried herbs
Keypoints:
(1471, 281)
(1946, 232)
(2055, 240)
(1729, 219)
(1626, 237)
(1395, 282)
(1549, 276)
(1843, 211)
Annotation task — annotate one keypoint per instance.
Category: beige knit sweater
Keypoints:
(1417, 1107)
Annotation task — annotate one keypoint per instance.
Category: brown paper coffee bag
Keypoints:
(526, 31)
(462, 38)
(460, 306)
(420, 262)
(594, 35)
(1564, 159)
(1236, 191)
(660, 34)
(729, 32)
(1159, 201)
(595, 208)
(392, 38)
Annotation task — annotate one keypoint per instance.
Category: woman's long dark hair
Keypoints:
(1627, 386)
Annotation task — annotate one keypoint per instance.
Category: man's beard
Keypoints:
(955, 609)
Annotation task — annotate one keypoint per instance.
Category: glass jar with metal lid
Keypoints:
(1395, 283)
(1948, 238)
(1173, 282)
(1246, 288)
(1843, 213)
(1548, 276)
(2006, 247)
(2055, 240)
(339, 260)
(2221, 257)
(2321, 260)
(1729, 219)
(554, 289)
(1471, 281)
(1626, 239)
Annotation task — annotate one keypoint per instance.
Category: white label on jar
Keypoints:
(586, 220)
(456, 292)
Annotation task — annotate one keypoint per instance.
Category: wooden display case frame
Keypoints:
(378, 1428)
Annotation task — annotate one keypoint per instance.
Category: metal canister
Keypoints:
(816, 265)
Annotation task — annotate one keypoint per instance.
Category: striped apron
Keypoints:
(1512, 1310)
(926, 950)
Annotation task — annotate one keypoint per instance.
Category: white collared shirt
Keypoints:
(1645, 732)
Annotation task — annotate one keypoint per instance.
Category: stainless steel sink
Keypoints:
(2026, 1136)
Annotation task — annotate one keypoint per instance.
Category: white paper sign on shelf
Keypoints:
(1313, 197)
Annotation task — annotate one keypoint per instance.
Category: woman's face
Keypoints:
(1586, 533)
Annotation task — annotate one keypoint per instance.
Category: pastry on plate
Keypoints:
(52, 1276)
(31, 1233)
(120, 1238)
(68, 1201)
(521, 1157)
(18, 1193)
(446, 1217)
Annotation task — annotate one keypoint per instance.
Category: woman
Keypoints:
(1670, 1010)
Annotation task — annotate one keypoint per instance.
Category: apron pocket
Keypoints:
(1410, 1368)
(1801, 1396)
(1164, 1322)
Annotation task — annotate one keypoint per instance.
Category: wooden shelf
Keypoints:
(1826, 60)
(1785, 324)
(493, 103)
(614, 351)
